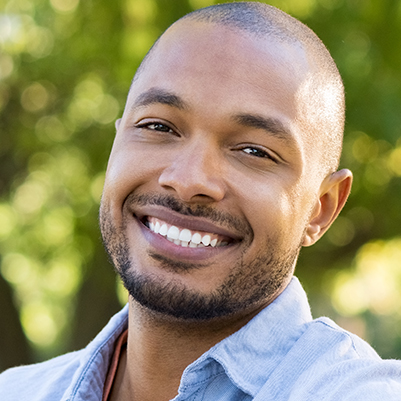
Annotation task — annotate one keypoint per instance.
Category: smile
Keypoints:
(184, 237)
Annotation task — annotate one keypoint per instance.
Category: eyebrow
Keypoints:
(161, 96)
(271, 125)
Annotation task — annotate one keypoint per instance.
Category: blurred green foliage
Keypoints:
(65, 69)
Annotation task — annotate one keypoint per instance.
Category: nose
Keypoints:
(195, 173)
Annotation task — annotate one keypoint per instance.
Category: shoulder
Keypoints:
(328, 363)
(339, 365)
(77, 375)
(328, 337)
(42, 381)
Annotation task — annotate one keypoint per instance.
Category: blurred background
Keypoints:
(65, 69)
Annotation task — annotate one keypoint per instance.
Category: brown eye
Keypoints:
(258, 153)
(158, 127)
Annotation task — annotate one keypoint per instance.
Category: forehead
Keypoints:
(220, 71)
(199, 52)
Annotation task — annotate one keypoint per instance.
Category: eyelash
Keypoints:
(253, 151)
(150, 124)
(259, 153)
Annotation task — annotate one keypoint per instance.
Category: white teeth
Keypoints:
(185, 235)
(173, 232)
(196, 238)
(206, 240)
(163, 230)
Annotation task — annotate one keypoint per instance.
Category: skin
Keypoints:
(205, 148)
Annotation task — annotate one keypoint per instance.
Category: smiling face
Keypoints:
(208, 191)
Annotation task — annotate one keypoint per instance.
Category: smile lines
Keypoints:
(184, 237)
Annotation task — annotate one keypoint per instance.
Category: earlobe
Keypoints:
(333, 195)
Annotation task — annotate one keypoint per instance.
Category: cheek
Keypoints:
(127, 169)
(273, 212)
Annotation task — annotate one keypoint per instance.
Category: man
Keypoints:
(224, 165)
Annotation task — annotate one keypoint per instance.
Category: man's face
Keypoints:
(207, 192)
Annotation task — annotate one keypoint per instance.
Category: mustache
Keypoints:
(196, 210)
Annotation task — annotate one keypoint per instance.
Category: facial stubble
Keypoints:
(247, 285)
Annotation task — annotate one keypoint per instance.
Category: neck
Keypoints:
(160, 348)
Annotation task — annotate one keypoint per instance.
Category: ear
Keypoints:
(333, 195)
(117, 123)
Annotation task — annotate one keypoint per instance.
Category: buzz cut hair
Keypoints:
(322, 100)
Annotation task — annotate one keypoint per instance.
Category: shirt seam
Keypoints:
(203, 381)
(344, 333)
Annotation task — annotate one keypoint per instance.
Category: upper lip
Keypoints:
(192, 223)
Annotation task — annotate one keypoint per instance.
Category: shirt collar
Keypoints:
(251, 354)
(88, 381)
(248, 356)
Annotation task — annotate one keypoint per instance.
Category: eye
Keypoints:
(156, 127)
(259, 153)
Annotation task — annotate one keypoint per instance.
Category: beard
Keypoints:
(247, 285)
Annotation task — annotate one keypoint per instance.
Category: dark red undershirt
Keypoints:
(121, 344)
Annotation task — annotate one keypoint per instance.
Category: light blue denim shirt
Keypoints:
(281, 354)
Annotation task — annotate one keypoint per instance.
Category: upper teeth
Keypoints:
(183, 236)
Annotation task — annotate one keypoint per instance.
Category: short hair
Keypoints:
(322, 114)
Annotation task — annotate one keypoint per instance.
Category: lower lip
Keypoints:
(164, 246)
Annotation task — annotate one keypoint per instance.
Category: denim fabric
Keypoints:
(282, 354)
